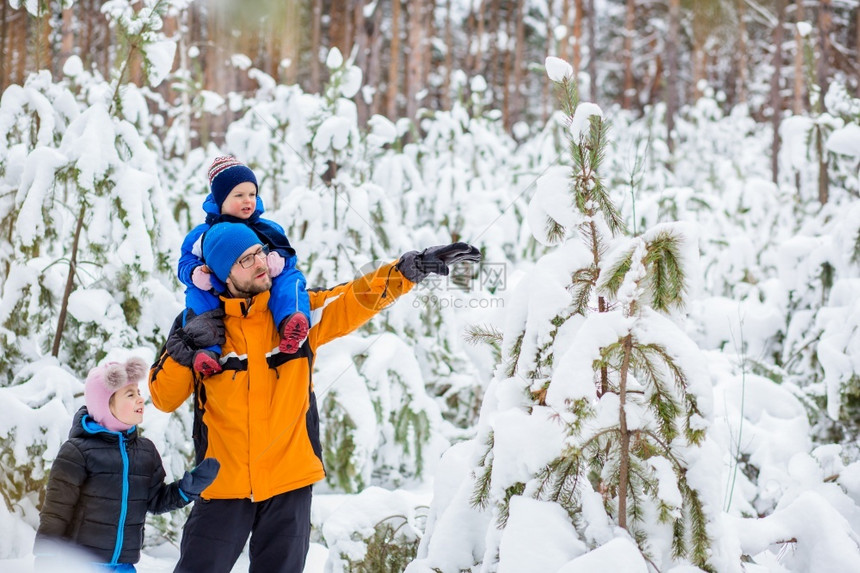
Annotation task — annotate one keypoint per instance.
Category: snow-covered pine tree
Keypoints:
(818, 266)
(85, 244)
(597, 412)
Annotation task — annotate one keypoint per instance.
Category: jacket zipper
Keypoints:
(120, 534)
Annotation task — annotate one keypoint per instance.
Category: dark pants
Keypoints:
(216, 531)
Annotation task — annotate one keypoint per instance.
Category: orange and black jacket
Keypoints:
(259, 417)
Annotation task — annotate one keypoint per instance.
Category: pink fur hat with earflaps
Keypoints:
(103, 381)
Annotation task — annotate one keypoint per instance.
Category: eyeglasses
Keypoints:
(248, 260)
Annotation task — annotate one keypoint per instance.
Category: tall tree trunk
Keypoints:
(105, 39)
(67, 43)
(823, 179)
(799, 75)
(564, 43)
(70, 283)
(135, 58)
(449, 58)
(478, 61)
(825, 23)
(629, 31)
(672, 71)
(316, 43)
(578, 13)
(374, 61)
(775, 97)
(338, 28)
(624, 454)
(171, 28)
(362, 46)
(427, 41)
(43, 38)
(272, 31)
(86, 19)
(292, 41)
(211, 70)
(496, 62)
(507, 69)
(592, 52)
(701, 30)
(5, 47)
(546, 104)
(657, 79)
(415, 57)
(519, 58)
(22, 37)
(394, 62)
(187, 17)
(743, 52)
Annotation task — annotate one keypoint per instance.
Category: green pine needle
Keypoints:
(666, 275)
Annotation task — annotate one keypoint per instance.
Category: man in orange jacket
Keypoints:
(259, 416)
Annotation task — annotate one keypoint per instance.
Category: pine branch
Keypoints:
(663, 404)
(567, 94)
(486, 334)
(679, 538)
(514, 357)
(617, 273)
(698, 526)
(554, 231)
(581, 288)
(505, 507)
(481, 496)
(613, 218)
(667, 278)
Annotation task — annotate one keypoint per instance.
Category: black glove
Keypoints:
(200, 331)
(194, 482)
(416, 266)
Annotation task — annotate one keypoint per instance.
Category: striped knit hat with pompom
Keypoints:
(225, 173)
(103, 381)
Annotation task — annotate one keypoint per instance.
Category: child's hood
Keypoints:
(213, 211)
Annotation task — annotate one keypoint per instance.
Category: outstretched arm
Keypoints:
(163, 496)
(340, 310)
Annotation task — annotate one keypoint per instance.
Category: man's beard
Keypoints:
(249, 288)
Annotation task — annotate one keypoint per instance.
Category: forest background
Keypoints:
(378, 127)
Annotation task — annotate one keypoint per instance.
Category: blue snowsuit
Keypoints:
(289, 289)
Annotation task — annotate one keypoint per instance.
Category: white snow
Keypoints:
(160, 56)
(334, 59)
(580, 123)
(538, 537)
(845, 140)
(557, 69)
(73, 66)
(768, 340)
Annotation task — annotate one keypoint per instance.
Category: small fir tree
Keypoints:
(608, 379)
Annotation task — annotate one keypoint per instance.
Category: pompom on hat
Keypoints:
(224, 174)
(224, 243)
(103, 381)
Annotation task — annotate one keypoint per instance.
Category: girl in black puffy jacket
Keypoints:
(106, 477)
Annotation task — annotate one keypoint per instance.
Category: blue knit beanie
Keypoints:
(225, 173)
(224, 243)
